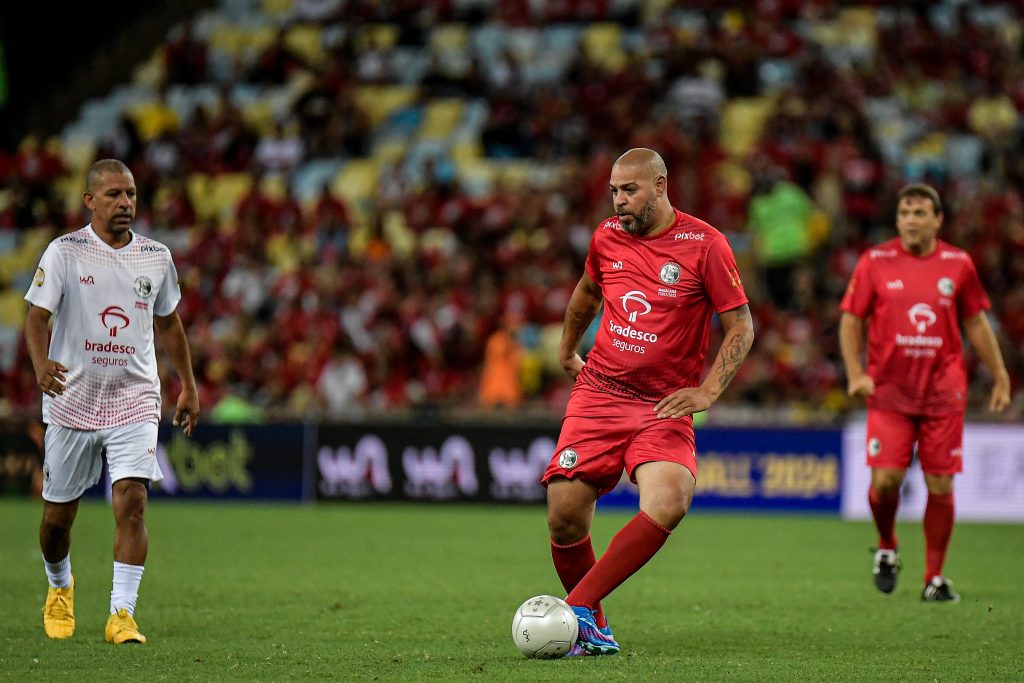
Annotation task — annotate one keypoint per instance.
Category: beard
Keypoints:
(643, 220)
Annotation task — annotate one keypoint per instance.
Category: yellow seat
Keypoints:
(383, 36)
(441, 118)
(357, 180)
(305, 41)
(743, 119)
(12, 309)
(227, 190)
(153, 118)
(276, 8)
(448, 38)
(259, 114)
(602, 42)
(389, 151)
(476, 172)
(380, 101)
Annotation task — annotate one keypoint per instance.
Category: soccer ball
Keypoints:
(544, 627)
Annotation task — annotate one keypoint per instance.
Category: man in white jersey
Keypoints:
(107, 289)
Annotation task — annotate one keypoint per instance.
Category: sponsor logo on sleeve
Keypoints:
(734, 278)
(39, 278)
(874, 447)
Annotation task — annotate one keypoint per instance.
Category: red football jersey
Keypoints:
(659, 294)
(914, 306)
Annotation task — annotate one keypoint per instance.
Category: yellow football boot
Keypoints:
(59, 611)
(121, 628)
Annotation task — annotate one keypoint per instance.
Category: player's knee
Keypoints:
(669, 508)
(566, 527)
(130, 505)
(55, 527)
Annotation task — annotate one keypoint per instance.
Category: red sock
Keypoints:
(630, 549)
(938, 528)
(884, 511)
(572, 562)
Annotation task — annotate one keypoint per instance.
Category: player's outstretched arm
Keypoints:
(581, 311)
(983, 339)
(172, 336)
(737, 338)
(49, 373)
(851, 344)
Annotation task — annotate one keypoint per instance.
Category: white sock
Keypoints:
(59, 573)
(125, 594)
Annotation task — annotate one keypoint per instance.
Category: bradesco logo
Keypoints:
(921, 317)
(635, 304)
(114, 319)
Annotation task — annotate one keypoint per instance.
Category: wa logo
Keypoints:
(516, 474)
(441, 474)
(359, 472)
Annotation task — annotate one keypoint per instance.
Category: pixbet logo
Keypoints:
(114, 319)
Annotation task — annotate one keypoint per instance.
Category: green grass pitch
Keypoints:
(418, 592)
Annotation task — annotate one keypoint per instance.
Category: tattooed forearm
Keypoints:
(579, 317)
(734, 350)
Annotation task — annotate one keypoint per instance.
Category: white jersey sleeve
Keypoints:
(47, 288)
(169, 294)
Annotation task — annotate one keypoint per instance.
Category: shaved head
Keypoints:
(647, 161)
(99, 168)
(639, 186)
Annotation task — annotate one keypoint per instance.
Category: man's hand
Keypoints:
(684, 402)
(51, 377)
(187, 412)
(1000, 397)
(573, 366)
(862, 385)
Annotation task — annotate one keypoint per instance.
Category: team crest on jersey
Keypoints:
(567, 459)
(670, 273)
(40, 277)
(143, 286)
(946, 286)
(874, 447)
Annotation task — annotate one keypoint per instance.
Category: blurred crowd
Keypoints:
(787, 124)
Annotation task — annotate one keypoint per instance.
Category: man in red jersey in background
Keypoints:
(912, 292)
(661, 274)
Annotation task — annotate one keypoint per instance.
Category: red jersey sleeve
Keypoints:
(860, 293)
(593, 264)
(722, 278)
(972, 298)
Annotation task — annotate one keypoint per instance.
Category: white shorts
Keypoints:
(73, 458)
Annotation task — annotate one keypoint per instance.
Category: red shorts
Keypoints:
(940, 439)
(602, 434)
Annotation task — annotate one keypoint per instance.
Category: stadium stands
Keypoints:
(447, 163)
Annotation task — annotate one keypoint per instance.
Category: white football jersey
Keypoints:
(103, 300)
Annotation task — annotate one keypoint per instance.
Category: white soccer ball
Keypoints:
(544, 627)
